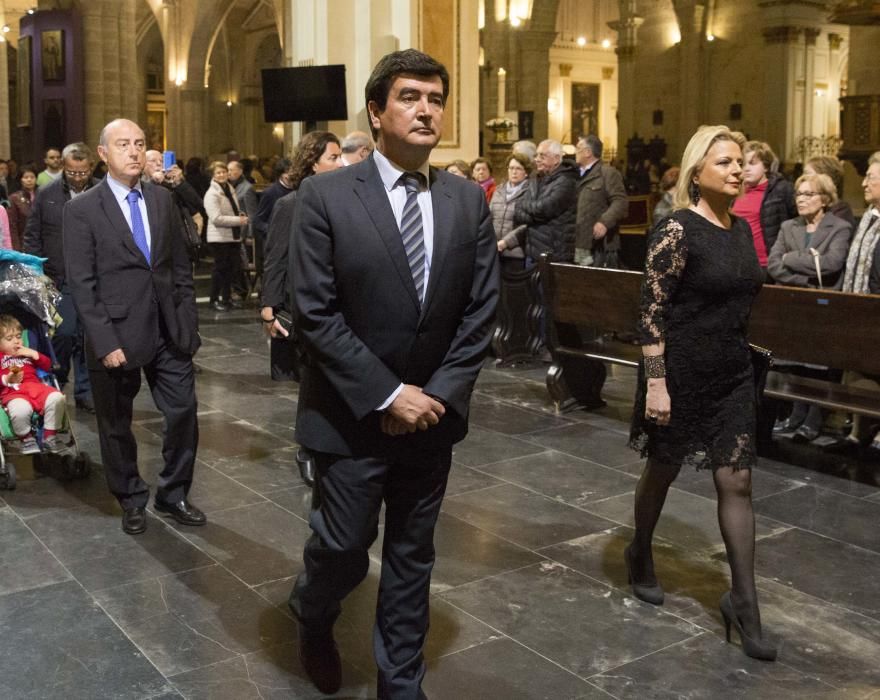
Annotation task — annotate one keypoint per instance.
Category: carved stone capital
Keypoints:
(607, 72)
(811, 34)
(835, 41)
(785, 34)
(565, 69)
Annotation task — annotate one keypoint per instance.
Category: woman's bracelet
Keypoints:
(655, 366)
(267, 320)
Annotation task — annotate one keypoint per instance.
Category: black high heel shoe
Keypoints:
(650, 594)
(751, 647)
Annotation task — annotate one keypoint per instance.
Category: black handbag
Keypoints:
(191, 238)
(762, 361)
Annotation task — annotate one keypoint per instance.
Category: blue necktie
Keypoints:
(137, 224)
(411, 231)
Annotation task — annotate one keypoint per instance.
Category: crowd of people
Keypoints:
(380, 278)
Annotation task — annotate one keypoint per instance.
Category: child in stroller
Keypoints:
(23, 394)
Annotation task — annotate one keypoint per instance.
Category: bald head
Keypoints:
(123, 148)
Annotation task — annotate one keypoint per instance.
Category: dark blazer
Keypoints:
(119, 296)
(275, 289)
(42, 233)
(360, 319)
(790, 261)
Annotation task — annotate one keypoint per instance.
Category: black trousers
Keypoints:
(345, 517)
(171, 380)
(227, 269)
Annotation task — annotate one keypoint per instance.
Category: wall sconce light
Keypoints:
(515, 21)
(581, 41)
(229, 103)
(5, 28)
(606, 43)
(710, 37)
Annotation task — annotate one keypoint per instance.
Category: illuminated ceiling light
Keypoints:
(515, 21)
(675, 35)
(31, 11)
(229, 103)
(606, 43)
(581, 41)
(5, 28)
(710, 37)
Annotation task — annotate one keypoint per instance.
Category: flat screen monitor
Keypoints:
(306, 94)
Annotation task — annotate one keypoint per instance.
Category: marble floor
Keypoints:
(529, 591)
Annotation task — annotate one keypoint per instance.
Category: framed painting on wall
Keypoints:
(53, 123)
(155, 129)
(584, 110)
(52, 55)
(24, 81)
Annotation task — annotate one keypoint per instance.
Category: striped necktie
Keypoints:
(411, 231)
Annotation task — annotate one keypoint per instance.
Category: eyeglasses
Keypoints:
(806, 195)
(541, 156)
(77, 173)
(869, 179)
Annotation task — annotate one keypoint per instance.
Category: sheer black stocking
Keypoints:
(650, 496)
(737, 521)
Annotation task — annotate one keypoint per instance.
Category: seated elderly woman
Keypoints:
(833, 168)
(810, 251)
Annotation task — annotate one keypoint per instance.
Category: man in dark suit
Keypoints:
(42, 237)
(395, 283)
(132, 285)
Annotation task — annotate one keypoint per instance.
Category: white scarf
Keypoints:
(861, 253)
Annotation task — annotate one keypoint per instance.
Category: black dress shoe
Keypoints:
(320, 659)
(805, 434)
(219, 306)
(134, 520)
(183, 512)
(85, 405)
(306, 464)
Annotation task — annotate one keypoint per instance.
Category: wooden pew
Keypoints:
(587, 308)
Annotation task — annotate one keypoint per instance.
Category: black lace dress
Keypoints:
(700, 281)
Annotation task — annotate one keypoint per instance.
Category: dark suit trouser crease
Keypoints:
(172, 383)
(345, 515)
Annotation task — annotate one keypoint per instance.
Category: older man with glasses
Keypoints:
(42, 236)
(549, 206)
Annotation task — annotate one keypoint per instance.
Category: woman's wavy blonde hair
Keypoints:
(695, 156)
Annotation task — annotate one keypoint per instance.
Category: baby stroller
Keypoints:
(27, 295)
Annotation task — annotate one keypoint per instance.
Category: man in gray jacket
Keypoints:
(601, 206)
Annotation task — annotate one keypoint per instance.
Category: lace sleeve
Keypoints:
(664, 264)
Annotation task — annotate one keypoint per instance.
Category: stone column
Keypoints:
(627, 86)
(780, 64)
(808, 128)
(110, 63)
(692, 92)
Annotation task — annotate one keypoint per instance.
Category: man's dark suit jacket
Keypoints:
(120, 299)
(42, 233)
(360, 319)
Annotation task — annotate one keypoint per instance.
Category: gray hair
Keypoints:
(553, 147)
(593, 142)
(78, 151)
(355, 141)
(527, 148)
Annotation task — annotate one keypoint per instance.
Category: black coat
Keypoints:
(42, 233)
(360, 319)
(548, 210)
(118, 295)
(777, 206)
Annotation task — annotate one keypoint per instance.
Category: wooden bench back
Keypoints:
(804, 325)
(822, 327)
(592, 296)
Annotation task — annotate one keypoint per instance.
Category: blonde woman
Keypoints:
(695, 400)
(226, 222)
